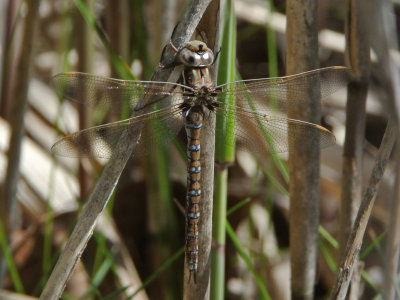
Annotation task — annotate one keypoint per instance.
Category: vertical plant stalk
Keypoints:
(224, 155)
(7, 58)
(383, 37)
(85, 64)
(208, 29)
(271, 44)
(111, 173)
(19, 93)
(162, 221)
(381, 28)
(121, 68)
(159, 24)
(393, 243)
(168, 18)
(304, 155)
(354, 243)
(357, 52)
(117, 23)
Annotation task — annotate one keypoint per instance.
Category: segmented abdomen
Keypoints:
(194, 122)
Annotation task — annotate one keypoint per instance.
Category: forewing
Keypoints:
(270, 95)
(109, 94)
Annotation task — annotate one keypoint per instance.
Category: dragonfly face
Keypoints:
(260, 113)
(196, 54)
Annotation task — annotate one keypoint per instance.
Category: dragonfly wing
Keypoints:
(109, 94)
(270, 95)
(152, 130)
(261, 133)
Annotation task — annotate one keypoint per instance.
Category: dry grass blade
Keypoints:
(383, 36)
(392, 248)
(356, 236)
(20, 101)
(86, 50)
(358, 53)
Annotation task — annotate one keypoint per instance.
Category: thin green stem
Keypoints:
(10, 261)
(271, 44)
(224, 153)
(164, 267)
(219, 235)
(121, 67)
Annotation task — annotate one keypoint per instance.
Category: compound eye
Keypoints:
(194, 59)
(199, 56)
(189, 58)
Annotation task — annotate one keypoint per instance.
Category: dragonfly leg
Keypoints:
(176, 51)
(194, 276)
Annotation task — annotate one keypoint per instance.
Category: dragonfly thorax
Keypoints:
(202, 98)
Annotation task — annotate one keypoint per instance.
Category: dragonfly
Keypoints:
(159, 110)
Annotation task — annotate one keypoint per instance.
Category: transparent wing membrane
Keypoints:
(260, 110)
(275, 94)
(108, 93)
(261, 133)
(259, 113)
(152, 130)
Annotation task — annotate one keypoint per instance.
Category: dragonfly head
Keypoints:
(196, 54)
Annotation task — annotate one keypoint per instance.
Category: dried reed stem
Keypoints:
(304, 155)
(358, 55)
(19, 94)
(353, 247)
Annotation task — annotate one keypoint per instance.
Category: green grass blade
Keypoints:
(121, 67)
(375, 244)
(101, 272)
(279, 162)
(274, 182)
(271, 45)
(238, 206)
(162, 210)
(327, 236)
(327, 255)
(10, 261)
(48, 224)
(263, 290)
(117, 293)
(104, 263)
(165, 266)
(324, 235)
(369, 281)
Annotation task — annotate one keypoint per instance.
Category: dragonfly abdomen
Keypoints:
(193, 124)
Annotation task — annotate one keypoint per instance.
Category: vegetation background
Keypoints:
(136, 249)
